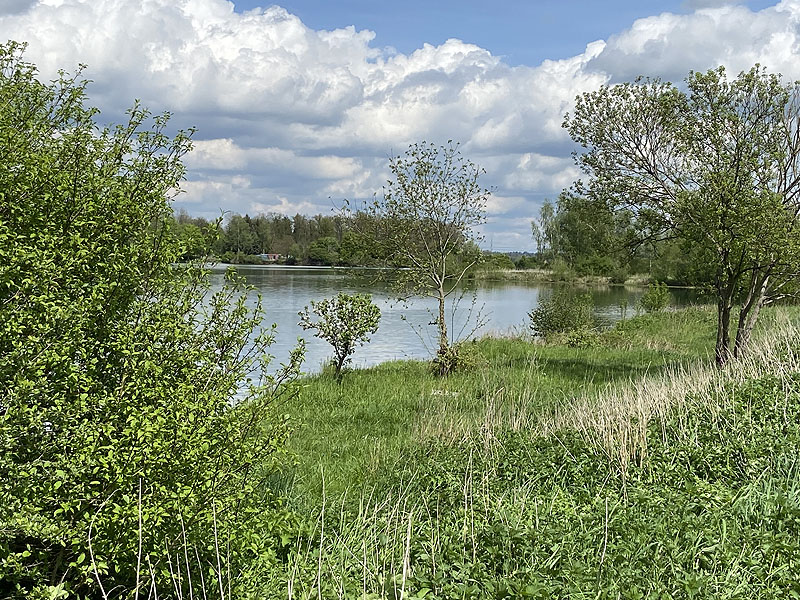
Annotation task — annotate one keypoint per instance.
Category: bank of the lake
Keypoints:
(631, 469)
(405, 331)
(350, 433)
(534, 276)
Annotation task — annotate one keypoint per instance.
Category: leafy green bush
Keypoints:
(129, 422)
(563, 311)
(620, 274)
(458, 357)
(656, 298)
(344, 322)
(562, 271)
(583, 338)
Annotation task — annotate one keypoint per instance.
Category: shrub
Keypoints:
(620, 274)
(562, 312)
(656, 298)
(562, 271)
(458, 357)
(121, 445)
(344, 322)
(583, 338)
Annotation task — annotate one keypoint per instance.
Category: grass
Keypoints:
(551, 276)
(350, 434)
(650, 475)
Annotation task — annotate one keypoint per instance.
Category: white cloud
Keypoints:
(291, 119)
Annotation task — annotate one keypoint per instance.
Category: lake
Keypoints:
(404, 331)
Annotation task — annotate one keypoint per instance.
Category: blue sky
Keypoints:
(300, 105)
(521, 31)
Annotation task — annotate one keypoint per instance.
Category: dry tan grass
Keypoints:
(617, 419)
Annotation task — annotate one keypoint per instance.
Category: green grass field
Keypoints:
(350, 434)
(629, 469)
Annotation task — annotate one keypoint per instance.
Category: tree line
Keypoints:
(319, 239)
(581, 235)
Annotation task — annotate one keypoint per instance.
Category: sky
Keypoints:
(300, 105)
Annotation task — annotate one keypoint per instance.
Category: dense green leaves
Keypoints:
(134, 404)
(563, 311)
(716, 165)
(656, 298)
(344, 322)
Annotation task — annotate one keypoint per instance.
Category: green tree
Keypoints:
(130, 428)
(344, 322)
(656, 298)
(425, 222)
(563, 311)
(718, 165)
(239, 236)
(545, 233)
(324, 251)
(590, 236)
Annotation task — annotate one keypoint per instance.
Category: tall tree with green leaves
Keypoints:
(717, 163)
(134, 404)
(425, 224)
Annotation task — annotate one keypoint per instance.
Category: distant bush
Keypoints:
(344, 322)
(563, 312)
(620, 274)
(562, 271)
(496, 261)
(527, 262)
(656, 298)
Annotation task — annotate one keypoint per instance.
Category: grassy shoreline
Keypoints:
(548, 276)
(631, 469)
(401, 402)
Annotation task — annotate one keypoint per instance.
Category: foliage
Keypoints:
(324, 251)
(425, 221)
(564, 311)
(496, 261)
(458, 357)
(716, 165)
(656, 298)
(133, 403)
(527, 262)
(344, 322)
(583, 338)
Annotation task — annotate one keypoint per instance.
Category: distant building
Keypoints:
(271, 257)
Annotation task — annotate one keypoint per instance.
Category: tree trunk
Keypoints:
(748, 316)
(722, 351)
(442, 323)
(444, 360)
(340, 360)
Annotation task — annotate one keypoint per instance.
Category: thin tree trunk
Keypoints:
(722, 351)
(442, 324)
(443, 345)
(748, 316)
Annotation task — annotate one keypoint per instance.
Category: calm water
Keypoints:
(404, 331)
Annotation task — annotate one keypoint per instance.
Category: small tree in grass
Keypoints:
(424, 227)
(344, 322)
(562, 312)
(656, 298)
